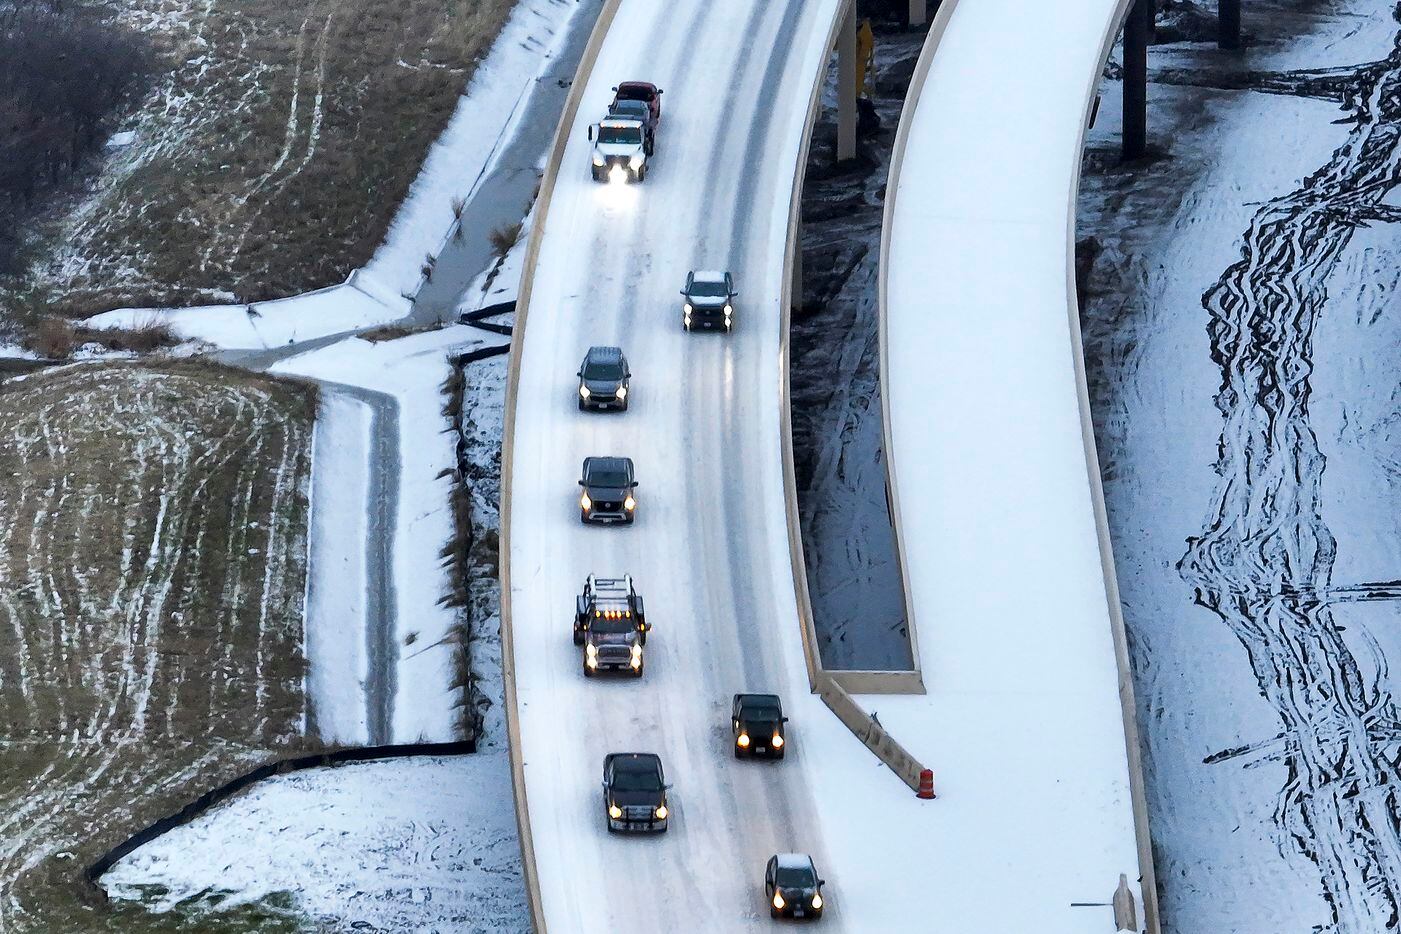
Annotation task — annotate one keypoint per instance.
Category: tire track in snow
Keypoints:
(1264, 561)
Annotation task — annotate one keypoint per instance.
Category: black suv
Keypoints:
(603, 380)
(792, 886)
(708, 300)
(608, 484)
(634, 792)
(757, 721)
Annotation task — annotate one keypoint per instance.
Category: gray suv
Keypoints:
(603, 380)
(607, 496)
(707, 301)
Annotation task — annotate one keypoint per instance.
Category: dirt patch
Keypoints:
(272, 158)
(152, 568)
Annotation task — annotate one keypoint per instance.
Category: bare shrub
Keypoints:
(503, 238)
(54, 338)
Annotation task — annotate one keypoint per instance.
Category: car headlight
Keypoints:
(817, 900)
(729, 309)
(615, 812)
(622, 392)
(584, 392)
(636, 161)
(778, 901)
(629, 504)
(777, 741)
(598, 158)
(743, 740)
(637, 651)
(661, 812)
(590, 650)
(687, 308)
(585, 501)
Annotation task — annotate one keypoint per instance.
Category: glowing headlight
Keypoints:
(637, 651)
(777, 741)
(817, 900)
(584, 392)
(629, 504)
(743, 740)
(660, 812)
(614, 811)
(590, 650)
(778, 901)
(598, 158)
(636, 161)
(729, 309)
(687, 308)
(585, 501)
(617, 175)
(622, 392)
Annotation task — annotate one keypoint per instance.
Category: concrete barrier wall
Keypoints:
(867, 729)
(1128, 705)
(792, 257)
(532, 255)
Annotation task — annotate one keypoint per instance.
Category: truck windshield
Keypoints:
(620, 135)
(762, 714)
(614, 625)
(627, 780)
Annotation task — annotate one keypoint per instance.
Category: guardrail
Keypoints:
(1128, 709)
(530, 871)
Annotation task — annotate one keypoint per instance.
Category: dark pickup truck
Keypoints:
(757, 721)
(634, 792)
(610, 624)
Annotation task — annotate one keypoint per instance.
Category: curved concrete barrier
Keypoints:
(1113, 14)
(532, 253)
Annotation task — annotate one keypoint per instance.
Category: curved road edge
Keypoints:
(1128, 706)
(529, 869)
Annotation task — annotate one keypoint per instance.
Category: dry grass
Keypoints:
(503, 238)
(307, 121)
(152, 565)
(54, 338)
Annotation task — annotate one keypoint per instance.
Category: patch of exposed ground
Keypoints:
(152, 569)
(271, 158)
(853, 575)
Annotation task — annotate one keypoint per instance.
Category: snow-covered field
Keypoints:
(152, 558)
(1242, 333)
(424, 845)
(379, 292)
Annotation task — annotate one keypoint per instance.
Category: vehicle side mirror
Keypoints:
(581, 482)
(580, 373)
(782, 719)
(659, 91)
(682, 292)
(615, 87)
(632, 485)
(591, 131)
(821, 881)
(734, 294)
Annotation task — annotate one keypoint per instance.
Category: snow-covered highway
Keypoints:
(709, 549)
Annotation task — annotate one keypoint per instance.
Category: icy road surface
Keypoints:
(709, 549)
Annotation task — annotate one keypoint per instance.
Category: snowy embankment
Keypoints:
(380, 292)
(1241, 319)
(418, 638)
(403, 845)
(1023, 723)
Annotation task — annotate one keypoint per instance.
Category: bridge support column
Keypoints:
(918, 12)
(1228, 25)
(1137, 30)
(846, 86)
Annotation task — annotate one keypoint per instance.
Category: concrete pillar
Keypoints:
(1228, 25)
(1136, 32)
(846, 86)
(918, 9)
